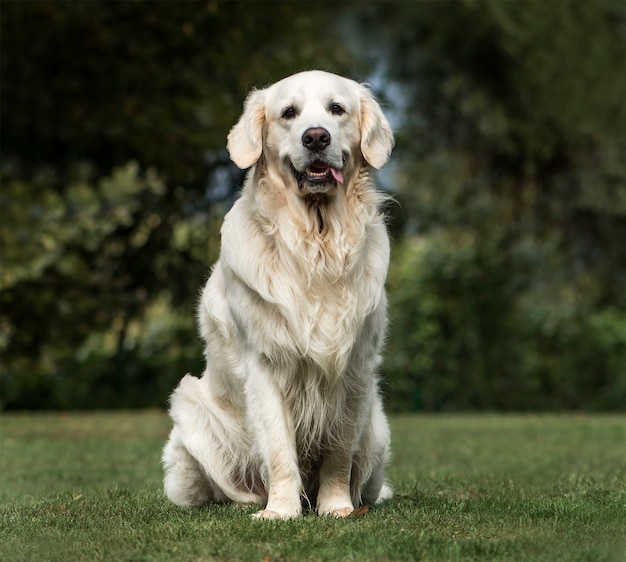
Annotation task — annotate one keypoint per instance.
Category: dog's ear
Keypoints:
(245, 139)
(376, 134)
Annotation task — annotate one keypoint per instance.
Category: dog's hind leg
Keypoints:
(185, 482)
(368, 471)
(207, 456)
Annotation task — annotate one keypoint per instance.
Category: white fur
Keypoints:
(293, 317)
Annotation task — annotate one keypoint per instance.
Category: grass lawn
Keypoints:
(467, 487)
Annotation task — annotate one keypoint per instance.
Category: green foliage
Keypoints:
(114, 118)
(546, 488)
(466, 335)
(513, 177)
(508, 274)
(156, 82)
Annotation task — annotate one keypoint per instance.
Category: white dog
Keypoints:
(293, 314)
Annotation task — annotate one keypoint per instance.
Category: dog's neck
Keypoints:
(324, 265)
(325, 233)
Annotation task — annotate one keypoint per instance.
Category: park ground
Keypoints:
(87, 486)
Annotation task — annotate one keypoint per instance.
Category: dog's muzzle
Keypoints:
(319, 175)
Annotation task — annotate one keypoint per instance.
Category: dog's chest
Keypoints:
(324, 321)
(305, 295)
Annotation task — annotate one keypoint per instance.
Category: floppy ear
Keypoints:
(376, 134)
(245, 139)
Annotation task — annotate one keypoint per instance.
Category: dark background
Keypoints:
(507, 284)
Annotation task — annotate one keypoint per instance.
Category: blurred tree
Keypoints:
(114, 120)
(508, 275)
(512, 172)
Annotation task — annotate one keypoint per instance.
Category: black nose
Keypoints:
(316, 139)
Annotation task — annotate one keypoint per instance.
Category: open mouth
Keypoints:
(318, 175)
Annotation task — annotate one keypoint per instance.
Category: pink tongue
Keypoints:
(337, 175)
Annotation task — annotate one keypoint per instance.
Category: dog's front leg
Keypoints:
(334, 496)
(334, 493)
(272, 425)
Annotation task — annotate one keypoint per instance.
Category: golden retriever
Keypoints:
(293, 315)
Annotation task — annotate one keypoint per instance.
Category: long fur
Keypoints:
(293, 316)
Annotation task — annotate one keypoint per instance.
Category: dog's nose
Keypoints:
(316, 138)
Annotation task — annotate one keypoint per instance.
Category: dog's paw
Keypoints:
(337, 511)
(386, 493)
(267, 515)
(336, 508)
(334, 505)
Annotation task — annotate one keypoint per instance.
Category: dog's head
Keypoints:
(316, 127)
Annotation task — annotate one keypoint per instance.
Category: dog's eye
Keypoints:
(336, 109)
(289, 112)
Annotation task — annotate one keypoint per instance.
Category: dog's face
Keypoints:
(315, 128)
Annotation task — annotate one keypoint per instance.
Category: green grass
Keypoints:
(468, 487)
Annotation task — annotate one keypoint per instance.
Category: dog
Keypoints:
(288, 411)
